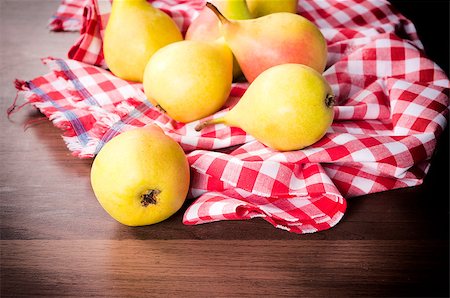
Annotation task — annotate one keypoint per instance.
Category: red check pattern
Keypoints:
(69, 16)
(392, 105)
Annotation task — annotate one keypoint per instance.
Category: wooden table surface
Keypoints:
(57, 240)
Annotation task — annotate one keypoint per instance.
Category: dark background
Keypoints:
(431, 19)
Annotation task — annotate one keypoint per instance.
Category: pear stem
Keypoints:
(219, 15)
(161, 109)
(204, 124)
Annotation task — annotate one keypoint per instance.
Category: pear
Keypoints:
(288, 107)
(141, 176)
(189, 79)
(259, 8)
(274, 39)
(206, 26)
(134, 32)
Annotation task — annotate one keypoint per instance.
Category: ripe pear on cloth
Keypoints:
(287, 107)
(274, 39)
(135, 30)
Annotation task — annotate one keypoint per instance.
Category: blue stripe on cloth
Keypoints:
(65, 18)
(76, 82)
(117, 127)
(77, 125)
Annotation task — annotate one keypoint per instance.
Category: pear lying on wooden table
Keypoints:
(287, 107)
(141, 176)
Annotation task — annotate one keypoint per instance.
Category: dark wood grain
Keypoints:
(57, 240)
(187, 268)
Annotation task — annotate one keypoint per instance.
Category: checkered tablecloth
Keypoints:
(68, 16)
(392, 104)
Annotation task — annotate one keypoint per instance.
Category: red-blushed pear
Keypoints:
(141, 176)
(274, 39)
(287, 107)
(206, 26)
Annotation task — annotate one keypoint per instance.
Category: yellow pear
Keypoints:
(189, 79)
(259, 8)
(287, 107)
(135, 30)
(141, 176)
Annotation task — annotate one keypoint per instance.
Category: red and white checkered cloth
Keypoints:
(392, 104)
(69, 16)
